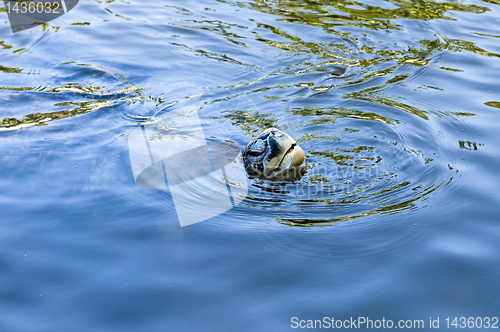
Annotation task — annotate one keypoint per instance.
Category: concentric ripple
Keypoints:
(361, 165)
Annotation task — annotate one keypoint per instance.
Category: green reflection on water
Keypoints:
(5, 46)
(100, 97)
(40, 119)
(249, 120)
(10, 70)
(495, 104)
(330, 14)
(390, 209)
(330, 115)
(349, 157)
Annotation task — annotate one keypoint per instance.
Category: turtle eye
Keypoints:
(258, 146)
(276, 133)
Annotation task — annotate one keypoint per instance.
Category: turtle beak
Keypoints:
(270, 152)
(298, 156)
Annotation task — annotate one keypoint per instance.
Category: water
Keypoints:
(395, 103)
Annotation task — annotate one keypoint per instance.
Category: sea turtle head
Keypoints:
(270, 153)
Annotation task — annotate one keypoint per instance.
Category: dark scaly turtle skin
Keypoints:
(273, 154)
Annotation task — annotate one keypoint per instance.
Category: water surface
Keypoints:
(395, 103)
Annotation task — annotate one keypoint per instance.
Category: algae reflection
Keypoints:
(82, 99)
(74, 109)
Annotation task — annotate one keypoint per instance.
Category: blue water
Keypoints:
(395, 104)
